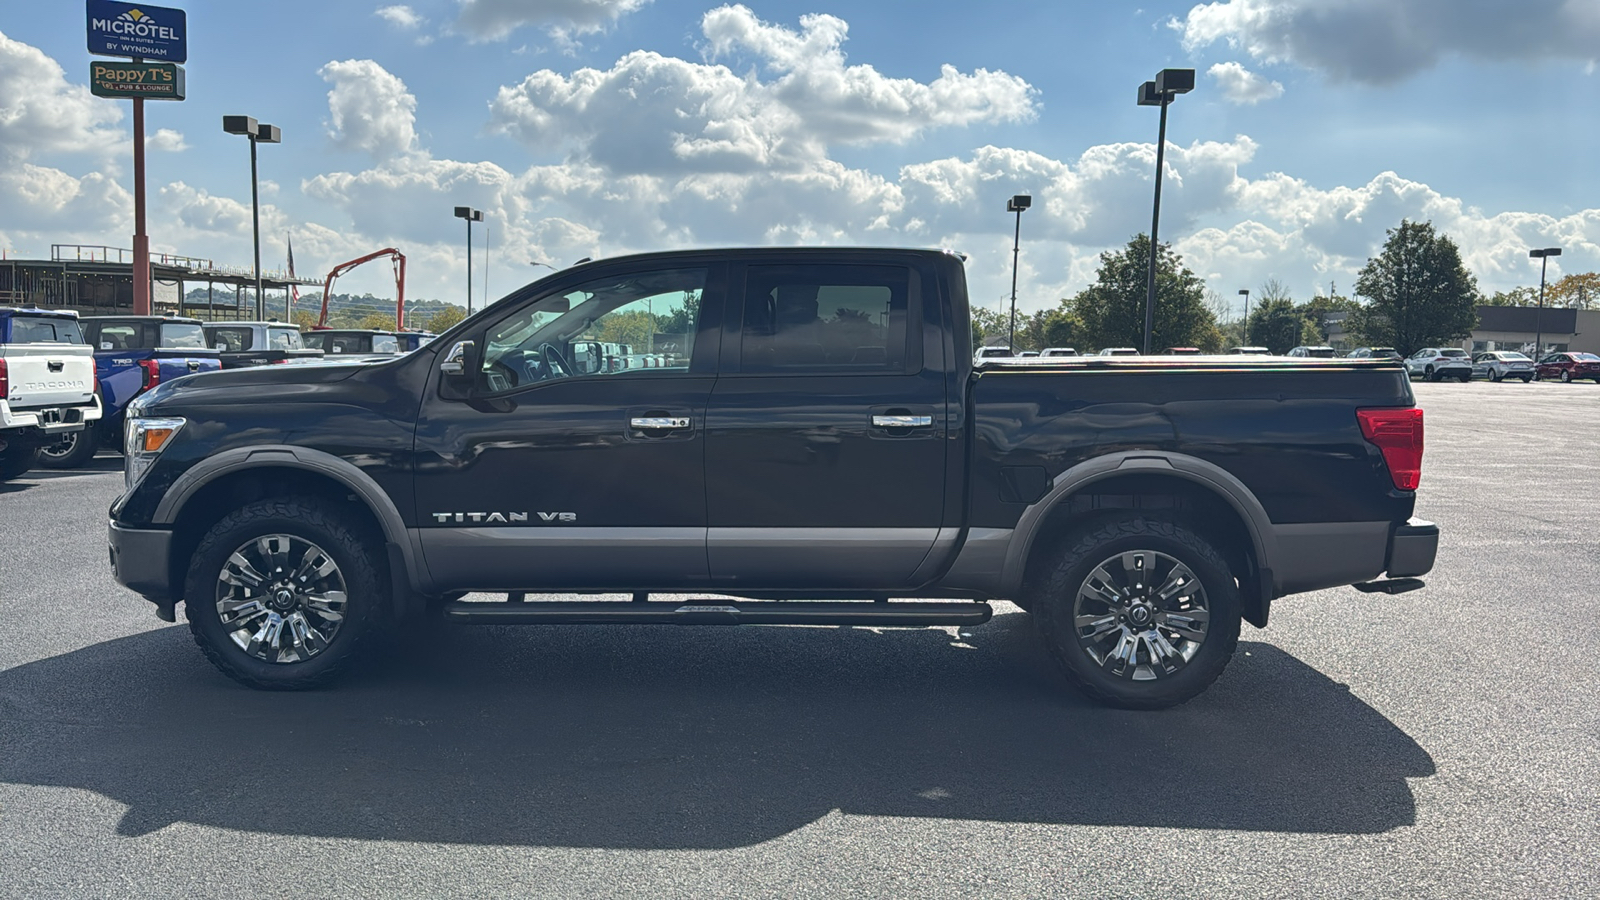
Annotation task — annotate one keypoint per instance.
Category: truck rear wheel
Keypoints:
(282, 594)
(70, 450)
(1139, 613)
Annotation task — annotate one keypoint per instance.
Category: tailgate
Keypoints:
(42, 375)
(177, 362)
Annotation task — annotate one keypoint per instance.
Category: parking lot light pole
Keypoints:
(258, 134)
(1244, 333)
(1543, 256)
(1016, 204)
(471, 215)
(1169, 84)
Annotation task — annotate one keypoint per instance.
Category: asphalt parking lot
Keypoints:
(1440, 743)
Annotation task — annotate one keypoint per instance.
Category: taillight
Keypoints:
(5, 380)
(152, 373)
(1398, 433)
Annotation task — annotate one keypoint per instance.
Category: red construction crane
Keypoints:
(399, 261)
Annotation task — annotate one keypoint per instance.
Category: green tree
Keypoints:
(1276, 324)
(1318, 308)
(1112, 309)
(444, 319)
(988, 323)
(1049, 328)
(1522, 296)
(680, 319)
(1420, 292)
(378, 321)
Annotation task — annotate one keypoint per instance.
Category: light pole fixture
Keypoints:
(1543, 256)
(1016, 204)
(258, 134)
(471, 215)
(1169, 84)
(1245, 332)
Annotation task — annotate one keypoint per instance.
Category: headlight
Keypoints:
(142, 441)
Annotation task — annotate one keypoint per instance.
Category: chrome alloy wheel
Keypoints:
(1141, 615)
(281, 598)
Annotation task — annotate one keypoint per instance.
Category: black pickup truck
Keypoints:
(800, 428)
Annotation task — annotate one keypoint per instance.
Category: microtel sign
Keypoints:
(138, 30)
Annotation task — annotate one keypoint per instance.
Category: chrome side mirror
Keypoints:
(455, 362)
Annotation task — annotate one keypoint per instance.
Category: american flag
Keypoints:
(294, 289)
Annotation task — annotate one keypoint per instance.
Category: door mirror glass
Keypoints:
(455, 362)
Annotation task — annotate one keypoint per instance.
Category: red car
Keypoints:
(1568, 367)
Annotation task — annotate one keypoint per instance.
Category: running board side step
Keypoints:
(721, 612)
(1389, 586)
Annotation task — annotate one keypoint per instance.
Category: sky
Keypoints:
(595, 128)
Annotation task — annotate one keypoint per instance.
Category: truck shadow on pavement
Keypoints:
(663, 738)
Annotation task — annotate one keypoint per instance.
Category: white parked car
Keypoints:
(1498, 365)
(1059, 351)
(1440, 363)
(999, 351)
(1119, 351)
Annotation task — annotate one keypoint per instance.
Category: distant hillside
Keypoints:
(343, 309)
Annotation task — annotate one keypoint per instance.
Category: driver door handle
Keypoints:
(659, 423)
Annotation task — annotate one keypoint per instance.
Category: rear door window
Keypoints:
(230, 340)
(283, 338)
(120, 336)
(385, 343)
(42, 329)
(182, 336)
(826, 319)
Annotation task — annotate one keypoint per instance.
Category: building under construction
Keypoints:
(98, 281)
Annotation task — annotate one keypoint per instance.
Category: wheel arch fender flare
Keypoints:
(1154, 462)
(319, 462)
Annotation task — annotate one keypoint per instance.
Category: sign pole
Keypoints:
(141, 240)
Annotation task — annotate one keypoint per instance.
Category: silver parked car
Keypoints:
(1498, 365)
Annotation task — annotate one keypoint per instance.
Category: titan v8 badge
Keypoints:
(485, 518)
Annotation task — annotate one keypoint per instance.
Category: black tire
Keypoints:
(1527, 378)
(1465, 379)
(1058, 596)
(326, 529)
(71, 450)
(1494, 376)
(16, 460)
(1429, 375)
(1566, 377)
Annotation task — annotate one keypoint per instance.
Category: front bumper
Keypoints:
(140, 560)
(1412, 547)
(50, 420)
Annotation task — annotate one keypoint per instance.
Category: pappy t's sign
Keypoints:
(152, 81)
(137, 30)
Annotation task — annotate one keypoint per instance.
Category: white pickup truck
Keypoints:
(47, 383)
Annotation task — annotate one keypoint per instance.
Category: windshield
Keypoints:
(1512, 356)
(1452, 353)
(283, 338)
(42, 329)
(183, 336)
(1586, 357)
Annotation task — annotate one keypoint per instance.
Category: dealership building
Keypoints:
(1516, 327)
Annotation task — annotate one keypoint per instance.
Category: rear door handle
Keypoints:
(659, 423)
(902, 421)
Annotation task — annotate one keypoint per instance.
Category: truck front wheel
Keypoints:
(282, 594)
(1139, 613)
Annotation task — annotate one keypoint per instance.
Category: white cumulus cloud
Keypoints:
(41, 113)
(1242, 86)
(1383, 41)
(166, 140)
(494, 20)
(369, 109)
(655, 114)
(400, 16)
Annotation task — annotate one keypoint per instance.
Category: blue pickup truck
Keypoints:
(132, 354)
